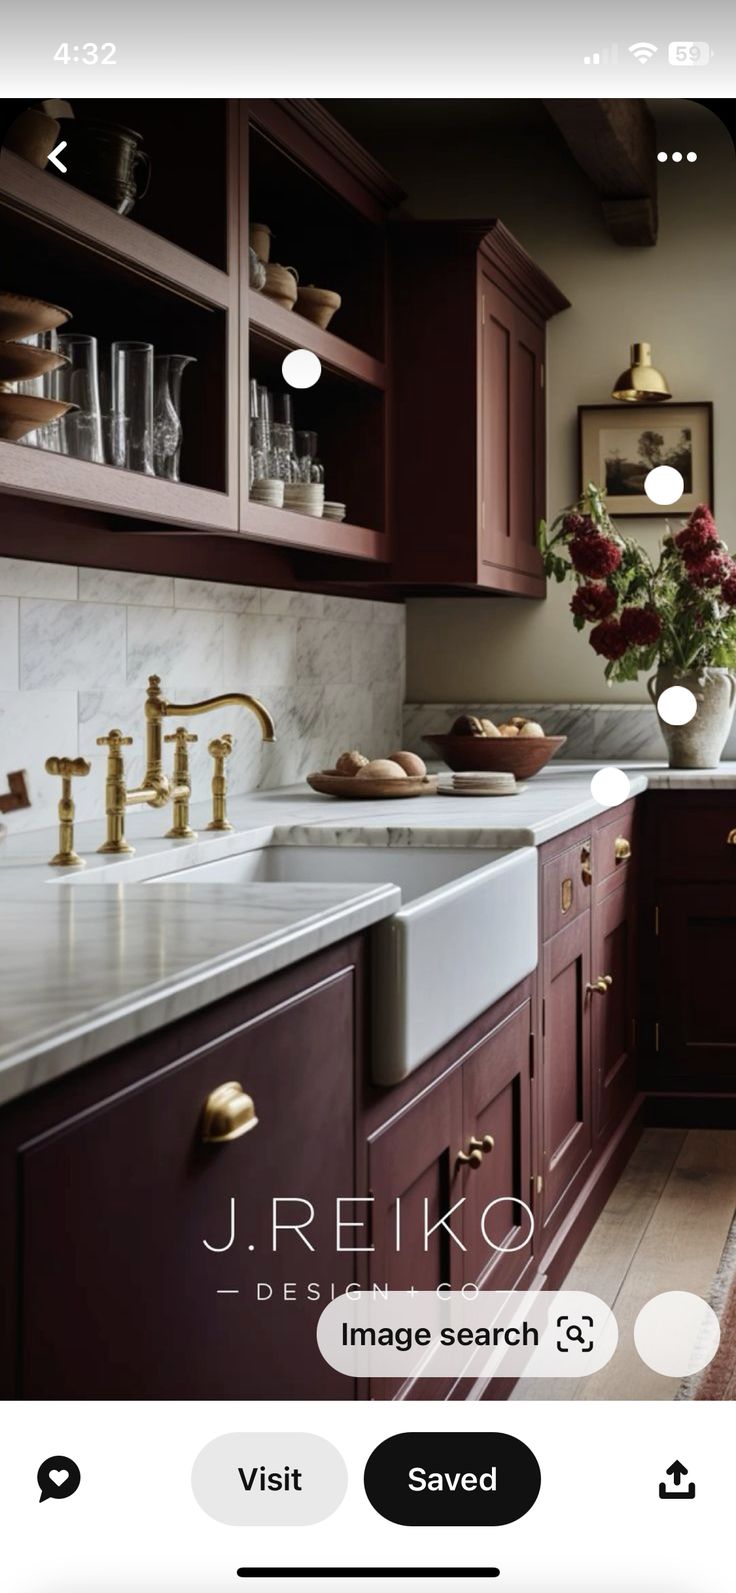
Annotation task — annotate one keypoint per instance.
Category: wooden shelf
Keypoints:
(269, 320)
(36, 473)
(309, 531)
(53, 204)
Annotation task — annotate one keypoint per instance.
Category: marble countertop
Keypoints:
(86, 969)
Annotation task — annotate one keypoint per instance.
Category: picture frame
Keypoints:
(619, 443)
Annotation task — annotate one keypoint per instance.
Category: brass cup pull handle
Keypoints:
(622, 849)
(601, 986)
(228, 1114)
(731, 838)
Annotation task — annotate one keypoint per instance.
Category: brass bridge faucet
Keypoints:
(156, 790)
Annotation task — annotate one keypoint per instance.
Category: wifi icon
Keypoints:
(643, 52)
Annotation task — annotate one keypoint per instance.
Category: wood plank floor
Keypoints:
(664, 1227)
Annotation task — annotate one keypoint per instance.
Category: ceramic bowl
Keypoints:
(318, 305)
(281, 285)
(21, 316)
(21, 414)
(334, 511)
(522, 756)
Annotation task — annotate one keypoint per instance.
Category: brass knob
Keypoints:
(228, 1114)
(731, 838)
(67, 767)
(476, 1151)
(586, 872)
(219, 749)
(601, 986)
(622, 849)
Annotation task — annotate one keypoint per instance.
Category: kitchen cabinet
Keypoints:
(468, 316)
(118, 1216)
(460, 1150)
(690, 944)
(613, 1008)
(567, 1097)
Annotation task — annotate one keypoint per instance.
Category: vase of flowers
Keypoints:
(676, 616)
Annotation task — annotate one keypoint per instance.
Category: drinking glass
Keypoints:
(309, 466)
(132, 396)
(115, 440)
(79, 383)
(167, 428)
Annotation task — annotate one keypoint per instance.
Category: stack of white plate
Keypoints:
(306, 497)
(335, 511)
(478, 783)
(268, 490)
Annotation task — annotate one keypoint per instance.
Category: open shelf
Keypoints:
(307, 531)
(269, 321)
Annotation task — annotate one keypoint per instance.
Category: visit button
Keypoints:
(452, 1479)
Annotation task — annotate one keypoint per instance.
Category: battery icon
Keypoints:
(688, 52)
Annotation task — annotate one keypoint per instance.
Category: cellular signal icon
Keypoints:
(607, 57)
(643, 52)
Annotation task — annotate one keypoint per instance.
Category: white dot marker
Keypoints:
(677, 705)
(664, 485)
(676, 155)
(301, 368)
(692, 156)
(676, 1333)
(662, 155)
(610, 786)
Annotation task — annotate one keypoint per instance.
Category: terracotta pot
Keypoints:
(699, 744)
(318, 305)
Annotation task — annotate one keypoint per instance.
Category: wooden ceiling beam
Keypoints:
(614, 143)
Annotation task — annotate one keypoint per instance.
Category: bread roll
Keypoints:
(467, 725)
(508, 730)
(489, 729)
(410, 762)
(531, 728)
(381, 769)
(351, 762)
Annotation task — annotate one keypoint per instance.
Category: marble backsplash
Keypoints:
(77, 647)
(606, 732)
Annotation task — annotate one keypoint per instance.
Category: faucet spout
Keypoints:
(237, 699)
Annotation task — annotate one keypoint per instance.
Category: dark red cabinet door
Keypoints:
(695, 1014)
(119, 1292)
(567, 1116)
(497, 1103)
(511, 440)
(612, 1013)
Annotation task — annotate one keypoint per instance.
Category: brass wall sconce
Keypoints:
(641, 383)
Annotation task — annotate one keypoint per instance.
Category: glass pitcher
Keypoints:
(167, 430)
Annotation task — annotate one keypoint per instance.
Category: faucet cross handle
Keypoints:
(114, 740)
(181, 736)
(219, 749)
(67, 768)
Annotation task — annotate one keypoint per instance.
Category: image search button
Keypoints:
(452, 1479)
(58, 1478)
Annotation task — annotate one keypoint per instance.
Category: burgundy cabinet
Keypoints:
(566, 1105)
(468, 317)
(497, 1082)
(695, 1021)
(613, 1007)
(128, 1284)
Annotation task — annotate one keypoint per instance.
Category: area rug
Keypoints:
(718, 1379)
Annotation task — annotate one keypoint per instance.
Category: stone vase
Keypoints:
(699, 744)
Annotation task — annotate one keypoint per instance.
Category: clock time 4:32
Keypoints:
(86, 54)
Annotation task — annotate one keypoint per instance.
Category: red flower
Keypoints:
(594, 556)
(578, 525)
(608, 639)
(641, 626)
(593, 602)
(699, 536)
(728, 590)
(711, 571)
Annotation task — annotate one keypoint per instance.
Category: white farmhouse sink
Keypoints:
(465, 934)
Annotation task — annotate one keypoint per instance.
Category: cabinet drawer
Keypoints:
(565, 892)
(691, 839)
(613, 847)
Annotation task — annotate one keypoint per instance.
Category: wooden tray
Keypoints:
(20, 316)
(21, 362)
(347, 786)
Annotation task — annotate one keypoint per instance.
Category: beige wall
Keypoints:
(678, 296)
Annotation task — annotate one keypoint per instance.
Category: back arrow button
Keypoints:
(54, 156)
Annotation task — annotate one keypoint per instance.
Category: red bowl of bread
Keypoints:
(518, 746)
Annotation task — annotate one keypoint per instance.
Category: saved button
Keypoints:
(452, 1479)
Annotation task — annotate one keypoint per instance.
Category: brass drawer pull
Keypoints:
(228, 1113)
(731, 838)
(601, 986)
(477, 1149)
(622, 849)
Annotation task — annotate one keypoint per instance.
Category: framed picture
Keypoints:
(620, 443)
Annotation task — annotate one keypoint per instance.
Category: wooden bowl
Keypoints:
(519, 755)
(281, 285)
(20, 316)
(317, 305)
(329, 783)
(20, 414)
(21, 362)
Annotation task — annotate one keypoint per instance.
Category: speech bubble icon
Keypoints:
(58, 1477)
